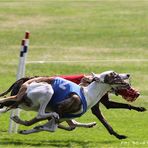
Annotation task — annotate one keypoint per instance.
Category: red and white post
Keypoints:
(13, 127)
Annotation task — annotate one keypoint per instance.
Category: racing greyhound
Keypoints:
(74, 105)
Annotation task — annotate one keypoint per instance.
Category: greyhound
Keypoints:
(103, 83)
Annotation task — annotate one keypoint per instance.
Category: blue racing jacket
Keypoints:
(62, 89)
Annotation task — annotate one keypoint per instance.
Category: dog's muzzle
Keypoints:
(129, 94)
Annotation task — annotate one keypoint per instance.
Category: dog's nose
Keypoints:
(137, 95)
(128, 75)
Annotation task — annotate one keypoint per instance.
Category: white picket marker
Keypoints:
(13, 127)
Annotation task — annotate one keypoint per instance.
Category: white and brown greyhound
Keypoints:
(62, 99)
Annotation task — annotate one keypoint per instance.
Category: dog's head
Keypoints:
(119, 84)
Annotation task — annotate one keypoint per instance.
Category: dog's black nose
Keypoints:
(137, 95)
(128, 75)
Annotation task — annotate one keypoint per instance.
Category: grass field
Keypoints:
(81, 31)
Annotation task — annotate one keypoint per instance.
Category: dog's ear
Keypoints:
(93, 74)
(95, 77)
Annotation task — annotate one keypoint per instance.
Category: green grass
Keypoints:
(63, 30)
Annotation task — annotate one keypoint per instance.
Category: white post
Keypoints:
(13, 127)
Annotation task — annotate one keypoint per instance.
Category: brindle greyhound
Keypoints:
(111, 80)
(14, 88)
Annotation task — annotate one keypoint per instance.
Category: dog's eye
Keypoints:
(112, 74)
(116, 76)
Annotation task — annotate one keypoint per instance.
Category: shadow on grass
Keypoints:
(52, 143)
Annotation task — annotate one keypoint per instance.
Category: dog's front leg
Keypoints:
(115, 105)
(96, 111)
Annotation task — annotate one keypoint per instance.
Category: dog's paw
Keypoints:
(141, 109)
(72, 128)
(92, 124)
(55, 116)
(26, 132)
(22, 132)
(121, 137)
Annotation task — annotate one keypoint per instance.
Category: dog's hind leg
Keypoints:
(26, 123)
(73, 124)
(43, 92)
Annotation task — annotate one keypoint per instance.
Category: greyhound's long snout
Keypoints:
(124, 76)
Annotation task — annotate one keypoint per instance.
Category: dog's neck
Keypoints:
(94, 92)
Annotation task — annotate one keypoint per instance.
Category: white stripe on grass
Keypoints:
(88, 61)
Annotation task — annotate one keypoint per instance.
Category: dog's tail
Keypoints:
(8, 90)
(15, 86)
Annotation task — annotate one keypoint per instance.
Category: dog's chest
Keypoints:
(94, 93)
